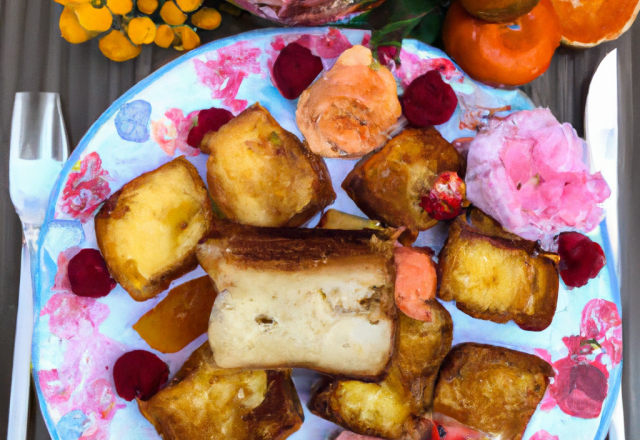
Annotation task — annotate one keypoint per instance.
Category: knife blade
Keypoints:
(601, 130)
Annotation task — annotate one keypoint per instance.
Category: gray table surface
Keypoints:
(33, 57)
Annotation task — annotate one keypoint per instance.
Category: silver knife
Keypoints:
(601, 129)
(38, 150)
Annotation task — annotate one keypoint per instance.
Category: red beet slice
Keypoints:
(88, 274)
(429, 100)
(295, 69)
(445, 199)
(580, 258)
(140, 374)
(208, 120)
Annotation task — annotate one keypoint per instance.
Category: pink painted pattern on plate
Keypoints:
(543, 435)
(171, 132)
(86, 188)
(226, 69)
(581, 382)
(83, 380)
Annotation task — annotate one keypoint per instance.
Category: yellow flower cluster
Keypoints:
(128, 24)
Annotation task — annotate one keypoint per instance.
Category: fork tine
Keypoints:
(38, 127)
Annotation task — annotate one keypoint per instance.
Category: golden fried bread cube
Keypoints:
(334, 219)
(392, 408)
(498, 279)
(260, 174)
(148, 230)
(494, 390)
(295, 297)
(204, 401)
(388, 185)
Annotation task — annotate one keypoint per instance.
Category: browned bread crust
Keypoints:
(308, 298)
(204, 401)
(387, 185)
(293, 249)
(496, 277)
(492, 389)
(261, 174)
(124, 204)
(392, 407)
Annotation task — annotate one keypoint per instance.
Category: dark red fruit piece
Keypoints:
(208, 120)
(580, 258)
(88, 274)
(140, 374)
(295, 69)
(386, 54)
(445, 199)
(429, 100)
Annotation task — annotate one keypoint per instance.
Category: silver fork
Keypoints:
(38, 150)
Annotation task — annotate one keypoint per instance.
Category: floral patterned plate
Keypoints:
(77, 340)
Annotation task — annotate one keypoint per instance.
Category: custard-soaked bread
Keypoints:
(260, 174)
(496, 278)
(311, 298)
(148, 230)
(388, 185)
(392, 407)
(494, 390)
(207, 402)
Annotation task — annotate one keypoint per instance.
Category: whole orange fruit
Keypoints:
(502, 54)
(498, 11)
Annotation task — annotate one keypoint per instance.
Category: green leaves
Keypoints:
(396, 20)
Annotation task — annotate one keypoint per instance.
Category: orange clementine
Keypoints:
(504, 54)
(589, 23)
(498, 11)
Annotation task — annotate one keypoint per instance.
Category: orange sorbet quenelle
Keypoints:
(502, 54)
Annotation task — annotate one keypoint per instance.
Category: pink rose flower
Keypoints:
(528, 172)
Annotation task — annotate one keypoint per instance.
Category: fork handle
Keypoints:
(21, 373)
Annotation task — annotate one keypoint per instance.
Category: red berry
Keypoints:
(580, 258)
(295, 69)
(88, 274)
(429, 100)
(445, 199)
(140, 374)
(208, 120)
(386, 54)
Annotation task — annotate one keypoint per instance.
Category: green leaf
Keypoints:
(429, 28)
(396, 20)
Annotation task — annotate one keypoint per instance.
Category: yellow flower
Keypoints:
(117, 47)
(206, 18)
(189, 5)
(93, 19)
(171, 14)
(147, 6)
(141, 30)
(120, 7)
(189, 39)
(71, 2)
(164, 36)
(71, 29)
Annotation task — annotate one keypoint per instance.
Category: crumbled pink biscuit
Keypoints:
(528, 172)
